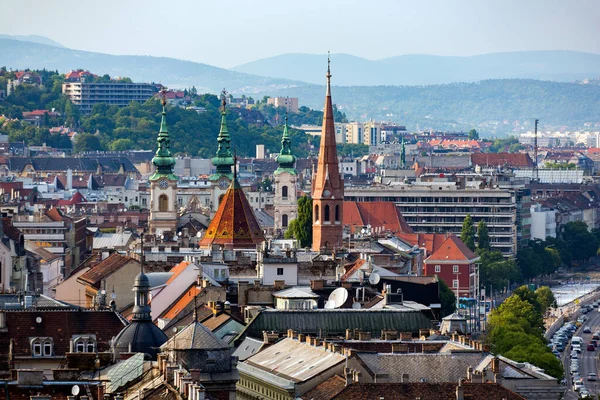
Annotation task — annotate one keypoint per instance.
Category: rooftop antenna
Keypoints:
(142, 254)
(535, 151)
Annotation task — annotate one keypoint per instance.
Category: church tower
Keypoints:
(327, 184)
(223, 160)
(285, 199)
(163, 183)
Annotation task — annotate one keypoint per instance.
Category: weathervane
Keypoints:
(328, 64)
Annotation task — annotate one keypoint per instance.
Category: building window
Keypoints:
(279, 271)
(337, 213)
(455, 283)
(284, 192)
(42, 347)
(438, 268)
(455, 269)
(317, 213)
(163, 203)
(284, 220)
(84, 344)
(326, 217)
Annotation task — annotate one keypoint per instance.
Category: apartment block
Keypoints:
(441, 206)
(86, 95)
(290, 103)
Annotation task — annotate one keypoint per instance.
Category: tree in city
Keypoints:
(545, 297)
(87, 142)
(582, 243)
(447, 299)
(473, 134)
(467, 236)
(528, 295)
(495, 271)
(483, 236)
(301, 227)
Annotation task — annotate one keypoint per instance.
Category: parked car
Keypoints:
(591, 347)
(577, 386)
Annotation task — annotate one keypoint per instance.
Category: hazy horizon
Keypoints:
(241, 32)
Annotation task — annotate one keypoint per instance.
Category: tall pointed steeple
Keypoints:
(327, 185)
(223, 160)
(163, 160)
(286, 159)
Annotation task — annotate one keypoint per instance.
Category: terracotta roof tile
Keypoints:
(178, 269)
(378, 214)
(452, 249)
(181, 304)
(502, 159)
(352, 268)
(326, 390)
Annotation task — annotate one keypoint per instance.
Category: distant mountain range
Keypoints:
(32, 38)
(350, 70)
(491, 98)
(18, 54)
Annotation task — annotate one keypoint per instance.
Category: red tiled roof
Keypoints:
(178, 269)
(104, 268)
(378, 214)
(54, 214)
(182, 303)
(75, 199)
(424, 390)
(453, 249)
(430, 241)
(327, 389)
(502, 159)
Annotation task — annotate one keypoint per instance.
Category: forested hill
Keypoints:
(492, 106)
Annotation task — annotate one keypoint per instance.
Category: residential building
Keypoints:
(86, 95)
(441, 205)
(354, 133)
(22, 77)
(290, 103)
(372, 133)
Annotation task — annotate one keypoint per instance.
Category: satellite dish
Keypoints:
(198, 234)
(75, 390)
(38, 320)
(374, 278)
(356, 305)
(113, 296)
(338, 296)
(330, 305)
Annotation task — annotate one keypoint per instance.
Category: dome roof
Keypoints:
(141, 280)
(144, 337)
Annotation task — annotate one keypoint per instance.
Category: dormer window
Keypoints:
(42, 346)
(84, 343)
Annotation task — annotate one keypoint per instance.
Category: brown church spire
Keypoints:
(328, 185)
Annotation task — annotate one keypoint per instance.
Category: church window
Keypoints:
(326, 217)
(337, 213)
(317, 213)
(284, 192)
(284, 220)
(163, 203)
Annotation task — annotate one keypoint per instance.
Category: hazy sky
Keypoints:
(231, 32)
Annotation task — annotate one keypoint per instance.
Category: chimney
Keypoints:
(256, 283)
(470, 374)
(364, 335)
(348, 376)
(69, 179)
(356, 376)
(405, 378)
(349, 335)
(243, 293)
(316, 284)
(460, 392)
(301, 337)
(279, 284)
(496, 365)
(270, 337)
(308, 339)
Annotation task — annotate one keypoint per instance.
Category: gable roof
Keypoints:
(430, 241)
(452, 249)
(327, 389)
(195, 336)
(106, 267)
(182, 303)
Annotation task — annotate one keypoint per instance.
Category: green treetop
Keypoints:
(483, 236)
(468, 233)
(163, 160)
(223, 160)
(286, 159)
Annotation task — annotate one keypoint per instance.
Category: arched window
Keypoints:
(326, 217)
(163, 203)
(337, 213)
(284, 220)
(284, 192)
(316, 213)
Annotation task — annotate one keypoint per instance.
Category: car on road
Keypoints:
(584, 393)
(596, 336)
(592, 377)
(591, 347)
(577, 385)
(587, 329)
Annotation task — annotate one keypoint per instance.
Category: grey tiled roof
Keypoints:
(195, 337)
(432, 367)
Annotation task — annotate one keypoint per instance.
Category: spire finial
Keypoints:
(223, 100)
(328, 74)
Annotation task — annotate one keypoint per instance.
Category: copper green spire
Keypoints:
(286, 159)
(223, 159)
(163, 160)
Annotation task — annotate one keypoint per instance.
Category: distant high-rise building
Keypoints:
(85, 95)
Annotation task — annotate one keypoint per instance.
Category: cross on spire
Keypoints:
(163, 96)
(223, 99)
